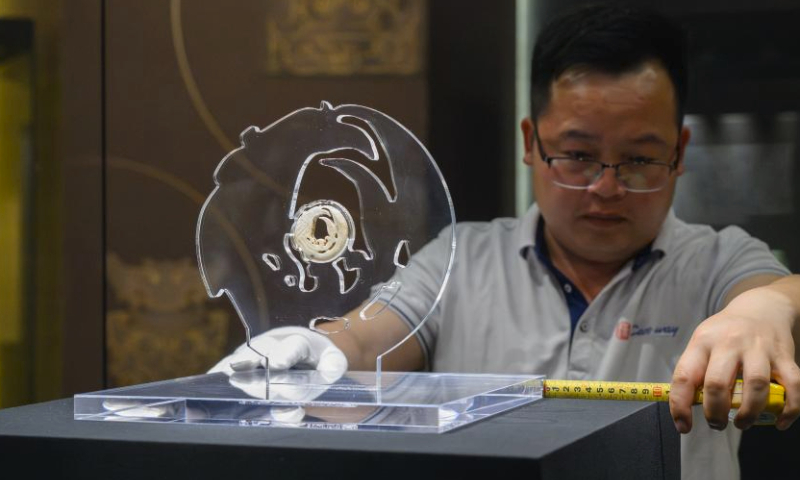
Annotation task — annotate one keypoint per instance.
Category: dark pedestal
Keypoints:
(564, 439)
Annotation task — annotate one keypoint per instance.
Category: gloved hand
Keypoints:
(286, 347)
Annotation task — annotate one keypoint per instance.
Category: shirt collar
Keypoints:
(663, 241)
(529, 234)
(526, 235)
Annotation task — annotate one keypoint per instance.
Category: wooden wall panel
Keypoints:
(183, 79)
(81, 153)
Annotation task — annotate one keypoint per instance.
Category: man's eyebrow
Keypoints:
(573, 134)
(649, 138)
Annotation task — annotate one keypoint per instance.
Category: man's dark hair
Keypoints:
(610, 39)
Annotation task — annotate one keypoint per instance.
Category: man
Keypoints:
(599, 280)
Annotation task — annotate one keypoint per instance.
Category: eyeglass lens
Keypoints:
(633, 176)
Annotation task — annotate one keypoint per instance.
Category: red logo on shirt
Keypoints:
(623, 330)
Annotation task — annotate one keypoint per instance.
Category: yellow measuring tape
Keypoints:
(654, 392)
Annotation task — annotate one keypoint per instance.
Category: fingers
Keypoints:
(755, 391)
(286, 347)
(222, 366)
(246, 365)
(332, 361)
(253, 386)
(720, 377)
(246, 357)
(722, 348)
(686, 380)
(296, 350)
(787, 373)
(282, 353)
(289, 352)
(242, 359)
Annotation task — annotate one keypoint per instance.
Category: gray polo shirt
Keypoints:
(504, 311)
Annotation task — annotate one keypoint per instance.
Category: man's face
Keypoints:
(611, 118)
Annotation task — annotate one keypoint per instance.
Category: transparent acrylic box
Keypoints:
(419, 402)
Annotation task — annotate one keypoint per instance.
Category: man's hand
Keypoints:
(751, 336)
(286, 347)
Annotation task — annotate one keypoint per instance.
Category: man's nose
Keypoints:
(607, 185)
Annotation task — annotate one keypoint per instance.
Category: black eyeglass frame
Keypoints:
(549, 161)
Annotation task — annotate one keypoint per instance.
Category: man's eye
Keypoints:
(578, 155)
(642, 160)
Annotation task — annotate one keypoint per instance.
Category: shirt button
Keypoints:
(568, 288)
(584, 327)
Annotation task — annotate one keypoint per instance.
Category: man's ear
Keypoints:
(686, 134)
(527, 135)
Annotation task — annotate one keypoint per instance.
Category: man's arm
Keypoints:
(356, 348)
(366, 339)
(755, 335)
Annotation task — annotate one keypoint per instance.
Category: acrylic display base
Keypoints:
(420, 402)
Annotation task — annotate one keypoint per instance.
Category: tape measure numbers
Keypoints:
(654, 392)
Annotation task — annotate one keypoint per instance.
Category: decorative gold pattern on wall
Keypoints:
(345, 37)
(164, 328)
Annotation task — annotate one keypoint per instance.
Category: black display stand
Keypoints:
(564, 439)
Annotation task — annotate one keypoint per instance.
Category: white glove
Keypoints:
(286, 347)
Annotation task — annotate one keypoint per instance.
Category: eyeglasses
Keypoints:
(638, 175)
